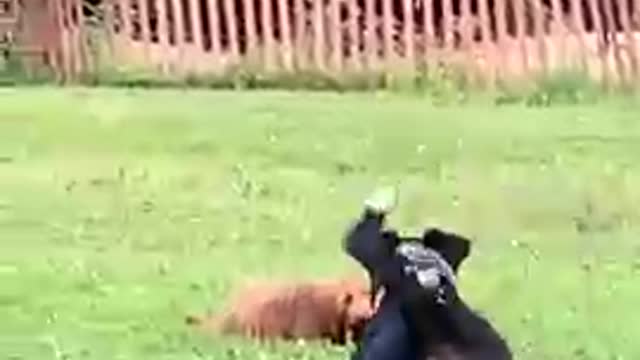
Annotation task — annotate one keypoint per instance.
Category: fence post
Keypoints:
(521, 35)
(285, 34)
(145, 30)
(268, 41)
(164, 42)
(501, 37)
(409, 34)
(447, 26)
(465, 28)
(179, 33)
(214, 31)
(301, 38)
(632, 49)
(82, 38)
(318, 34)
(230, 12)
(251, 32)
(488, 46)
(427, 34)
(336, 35)
(540, 35)
(124, 7)
(60, 14)
(579, 31)
(388, 31)
(371, 38)
(196, 25)
(354, 35)
(601, 49)
(558, 35)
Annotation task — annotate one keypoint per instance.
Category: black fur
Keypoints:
(449, 331)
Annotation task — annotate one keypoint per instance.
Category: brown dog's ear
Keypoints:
(454, 248)
(345, 299)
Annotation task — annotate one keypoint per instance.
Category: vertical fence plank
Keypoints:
(465, 29)
(336, 35)
(251, 32)
(268, 41)
(124, 10)
(163, 34)
(488, 48)
(300, 36)
(145, 30)
(371, 37)
(230, 14)
(631, 46)
(318, 34)
(602, 51)
(521, 35)
(408, 33)
(178, 25)
(540, 35)
(354, 35)
(447, 26)
(387, 28)
(214, 32)
(56, 10)
(73, 37)
(285, 34)
(195, 50)
(196, 26)
(558, 35)
(501, 37)
(82, 39)
(52, 41)
(579, 33)
(428, 57)
(619, 63)
(109, 23)
(69, 38)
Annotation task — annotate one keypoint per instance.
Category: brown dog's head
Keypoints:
(354, 300)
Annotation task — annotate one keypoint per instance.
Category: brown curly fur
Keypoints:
(323, 310)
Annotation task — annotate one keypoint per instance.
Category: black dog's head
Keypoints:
(433, 262)
(453, 248)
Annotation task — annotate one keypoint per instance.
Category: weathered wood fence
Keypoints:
(487, 39)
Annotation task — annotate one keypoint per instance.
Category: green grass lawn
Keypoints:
(122, 211)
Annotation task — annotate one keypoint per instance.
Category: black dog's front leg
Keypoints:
(387, 336)
(364, 241)
(374, 248)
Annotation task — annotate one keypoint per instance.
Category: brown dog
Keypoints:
(330, 310)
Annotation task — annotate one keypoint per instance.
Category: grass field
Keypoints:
(122, 211)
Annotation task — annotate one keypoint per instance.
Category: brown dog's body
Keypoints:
(334, 310)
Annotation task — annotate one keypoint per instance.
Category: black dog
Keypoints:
(421, 315)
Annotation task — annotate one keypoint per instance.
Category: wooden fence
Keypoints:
(487, 39)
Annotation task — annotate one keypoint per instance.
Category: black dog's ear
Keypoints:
(454, 248)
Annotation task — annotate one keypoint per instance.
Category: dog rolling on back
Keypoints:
(419, 277)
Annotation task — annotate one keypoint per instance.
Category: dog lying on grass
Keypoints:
(334, 311)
